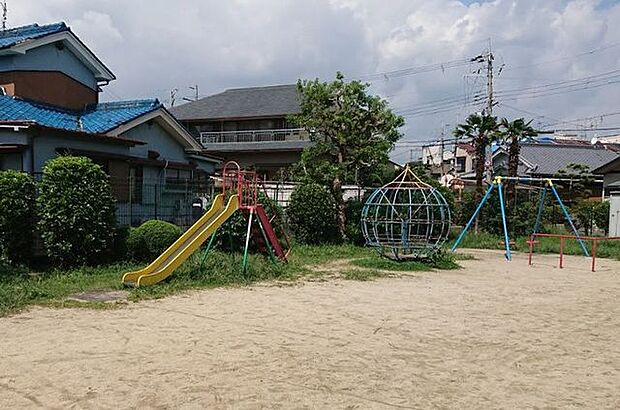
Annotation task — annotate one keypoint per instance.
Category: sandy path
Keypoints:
(493, 335)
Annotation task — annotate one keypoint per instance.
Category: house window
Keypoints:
(460, 164)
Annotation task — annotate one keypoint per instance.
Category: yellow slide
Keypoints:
(179, 251)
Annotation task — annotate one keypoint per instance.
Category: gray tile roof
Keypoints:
(548, 159)
(278, 100)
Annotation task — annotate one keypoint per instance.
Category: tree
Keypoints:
(482, 129)
(76, 210)
(352, 132)
(513, 133)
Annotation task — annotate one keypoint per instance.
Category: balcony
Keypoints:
(251, 140)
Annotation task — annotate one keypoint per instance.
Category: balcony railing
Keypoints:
(286, 134)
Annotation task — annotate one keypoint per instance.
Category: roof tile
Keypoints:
(95, 119)
(277, 100)
(14, 36)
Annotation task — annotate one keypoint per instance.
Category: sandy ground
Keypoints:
(492, 335)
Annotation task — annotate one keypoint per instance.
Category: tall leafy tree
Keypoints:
(352, 133)
(483, 130)
(514, 133)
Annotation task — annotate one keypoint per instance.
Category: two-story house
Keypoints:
(49, 105)
(249, 125)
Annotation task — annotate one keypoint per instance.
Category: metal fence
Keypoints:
(180, 201)
(285, 134)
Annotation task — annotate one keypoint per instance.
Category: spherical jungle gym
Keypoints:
(406, 218)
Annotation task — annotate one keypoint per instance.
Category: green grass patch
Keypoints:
(20, 287)
(444, 261)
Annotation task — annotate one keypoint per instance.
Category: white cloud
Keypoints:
(155, 45)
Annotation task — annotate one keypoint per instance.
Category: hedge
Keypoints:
(76, 211)
(17, 209)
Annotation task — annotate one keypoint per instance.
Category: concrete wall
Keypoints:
(614, 214)
(46, 144)
(50, 58)
(157, 139)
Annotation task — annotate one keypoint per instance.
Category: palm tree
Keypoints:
(482, 129)
(513, 133)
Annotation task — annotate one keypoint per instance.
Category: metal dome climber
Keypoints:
(406, 218)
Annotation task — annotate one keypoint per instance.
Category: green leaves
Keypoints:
(17, 207)
(352, 131)
(76, 210)
(312, 214)
(150, 239)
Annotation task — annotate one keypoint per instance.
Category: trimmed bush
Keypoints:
(17, 207)
(150, 239)
(312, 214)
(76, 211)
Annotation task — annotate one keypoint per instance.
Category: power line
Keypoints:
(386, 75)
(564, 84)
(577, 120)
(584, 53)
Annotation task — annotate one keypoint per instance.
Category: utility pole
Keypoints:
(4, 15)
(441, 150)
(195, 89)
(488, 160)
(173, 96)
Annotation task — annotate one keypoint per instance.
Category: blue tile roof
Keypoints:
(95, 119)
(11, 37)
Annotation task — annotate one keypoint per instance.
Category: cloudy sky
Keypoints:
(555, 60)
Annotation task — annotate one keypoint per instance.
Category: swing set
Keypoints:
(498, 183)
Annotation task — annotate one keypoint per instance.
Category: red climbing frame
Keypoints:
(246, 184)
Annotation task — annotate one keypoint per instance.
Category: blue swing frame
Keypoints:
(497, 182)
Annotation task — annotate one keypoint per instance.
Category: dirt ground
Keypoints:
(492, 335)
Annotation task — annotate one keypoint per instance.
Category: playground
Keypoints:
(494, 334)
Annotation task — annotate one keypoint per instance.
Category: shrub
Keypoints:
(601, 216)
(76, 210)
(119, 249)
(17, 207)
(150, 239)
(312, 214)
(353, 212)
(589, 214)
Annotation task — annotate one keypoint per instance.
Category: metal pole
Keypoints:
(568, 218)
(488, 151)
(473, 217)
(206, 252)
(503, 209)
(561, 252)
(155, 200)
(594, 246)
(244, 263)
(541, 207)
